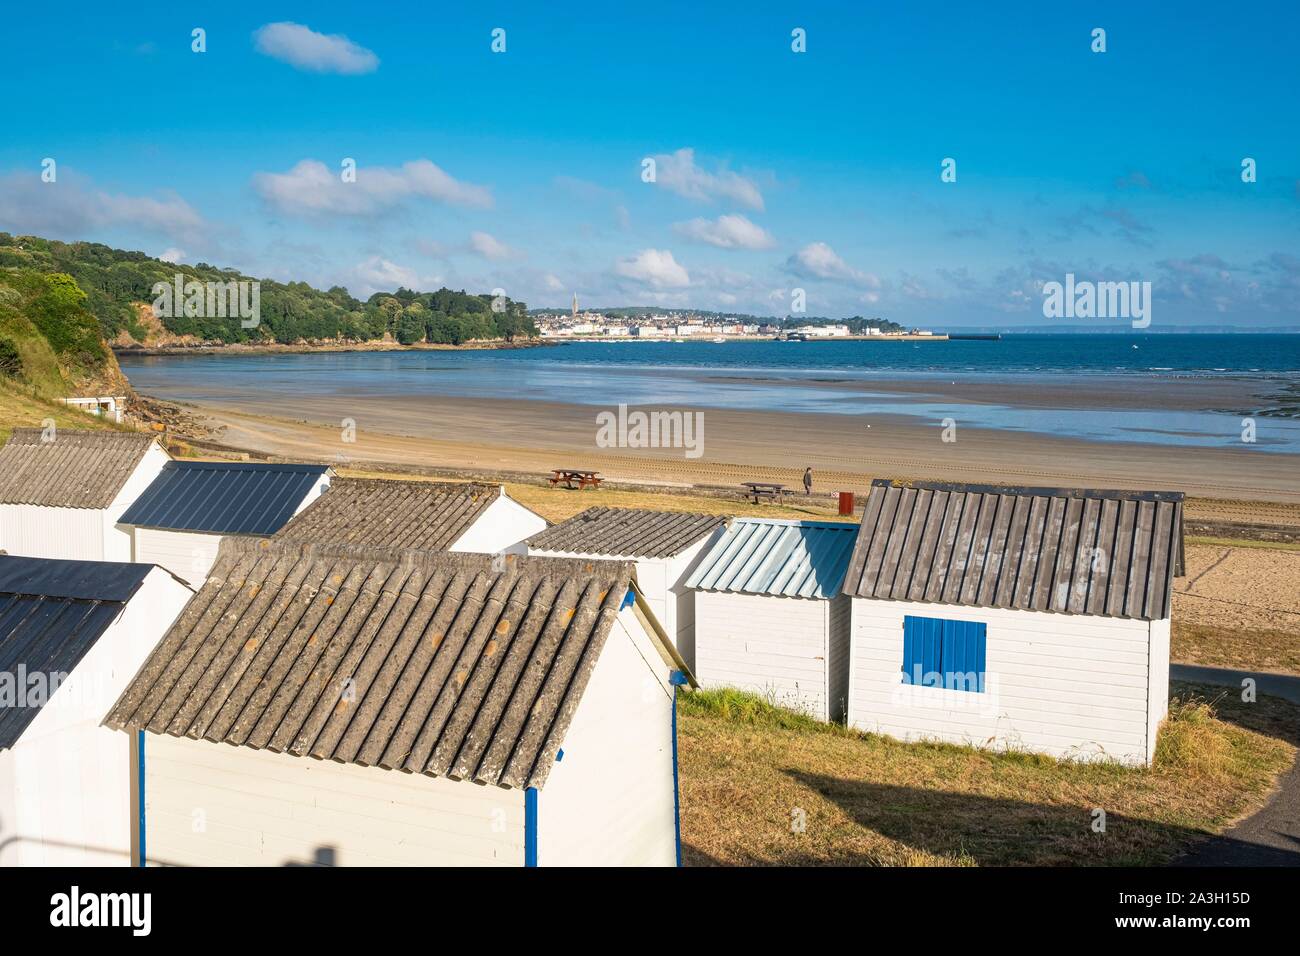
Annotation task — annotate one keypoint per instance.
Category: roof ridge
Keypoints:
(23, 434)
(797, 522)
(291, 466)
(1121, 494)
(237, 545)
(415, 484)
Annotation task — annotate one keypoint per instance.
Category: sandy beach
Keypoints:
(494, 435)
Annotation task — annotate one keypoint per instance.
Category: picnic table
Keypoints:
(764, 489)
(582, 476)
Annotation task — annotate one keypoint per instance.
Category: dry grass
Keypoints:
(749, 771)
(1253, 649)
(1243, 543)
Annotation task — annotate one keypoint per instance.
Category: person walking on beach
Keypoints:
(807, 481)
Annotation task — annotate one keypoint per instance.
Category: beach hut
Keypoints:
(428, 515)
(72, 635)
(359, 706)
(665, 545)
(769, 616)
(1028, 618)
(62, 491)
(178, 521)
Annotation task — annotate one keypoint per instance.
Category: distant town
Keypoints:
(682, 324)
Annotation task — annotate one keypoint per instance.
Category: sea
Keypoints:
(831, 377)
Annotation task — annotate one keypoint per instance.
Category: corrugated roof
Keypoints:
(381, 513)
(79, 580)
(1065, 550)
(74, 469)
(788, 558)
(459, 665)
(626, 532)
(51, 614)
(223, 497)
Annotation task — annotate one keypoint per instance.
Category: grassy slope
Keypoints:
(748, 769)
(19, 408)
(40, 367)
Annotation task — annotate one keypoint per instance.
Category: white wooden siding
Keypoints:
(119, 543)
(1065, 685)
(837, 656)
(66, 786)
(1157, 684)
(771, 645)
(187, 554)
(610, 801)
(681, 599)
(39, 532)
(79, 534)
(502, 527)
(210, 804)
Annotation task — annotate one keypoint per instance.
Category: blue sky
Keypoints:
(775, 170)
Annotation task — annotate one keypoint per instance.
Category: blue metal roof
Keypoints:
(75, 580)
(51, 614)
(221, 497)
(787, 558)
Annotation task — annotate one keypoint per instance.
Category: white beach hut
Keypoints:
(1032, 618)
(415, 708)
(769, 616)
(427, 515)
(63, 491)
(665, 545)
(178, 521)
(72, 635)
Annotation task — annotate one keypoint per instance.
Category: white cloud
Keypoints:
(489, 247)
(429, 247)
(654, 267)
(377, 274)
(172, 255)
(72, 208)
(677, 172)
(817, 260)
(552, 283)
(312, 188)
(306, 49)
(727, 232)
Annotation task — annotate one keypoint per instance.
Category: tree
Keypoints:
(11, 363)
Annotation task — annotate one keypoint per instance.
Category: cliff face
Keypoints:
(106, 380)
(156, 334)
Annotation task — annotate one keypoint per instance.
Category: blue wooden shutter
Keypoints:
(964, 646)
(953, 650)
(922, 646)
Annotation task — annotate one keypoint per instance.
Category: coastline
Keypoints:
(244, 349)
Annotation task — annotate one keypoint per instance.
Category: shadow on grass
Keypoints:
(986, 831)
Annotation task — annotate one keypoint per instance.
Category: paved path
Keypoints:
(1286, 686)
(1272, 836)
